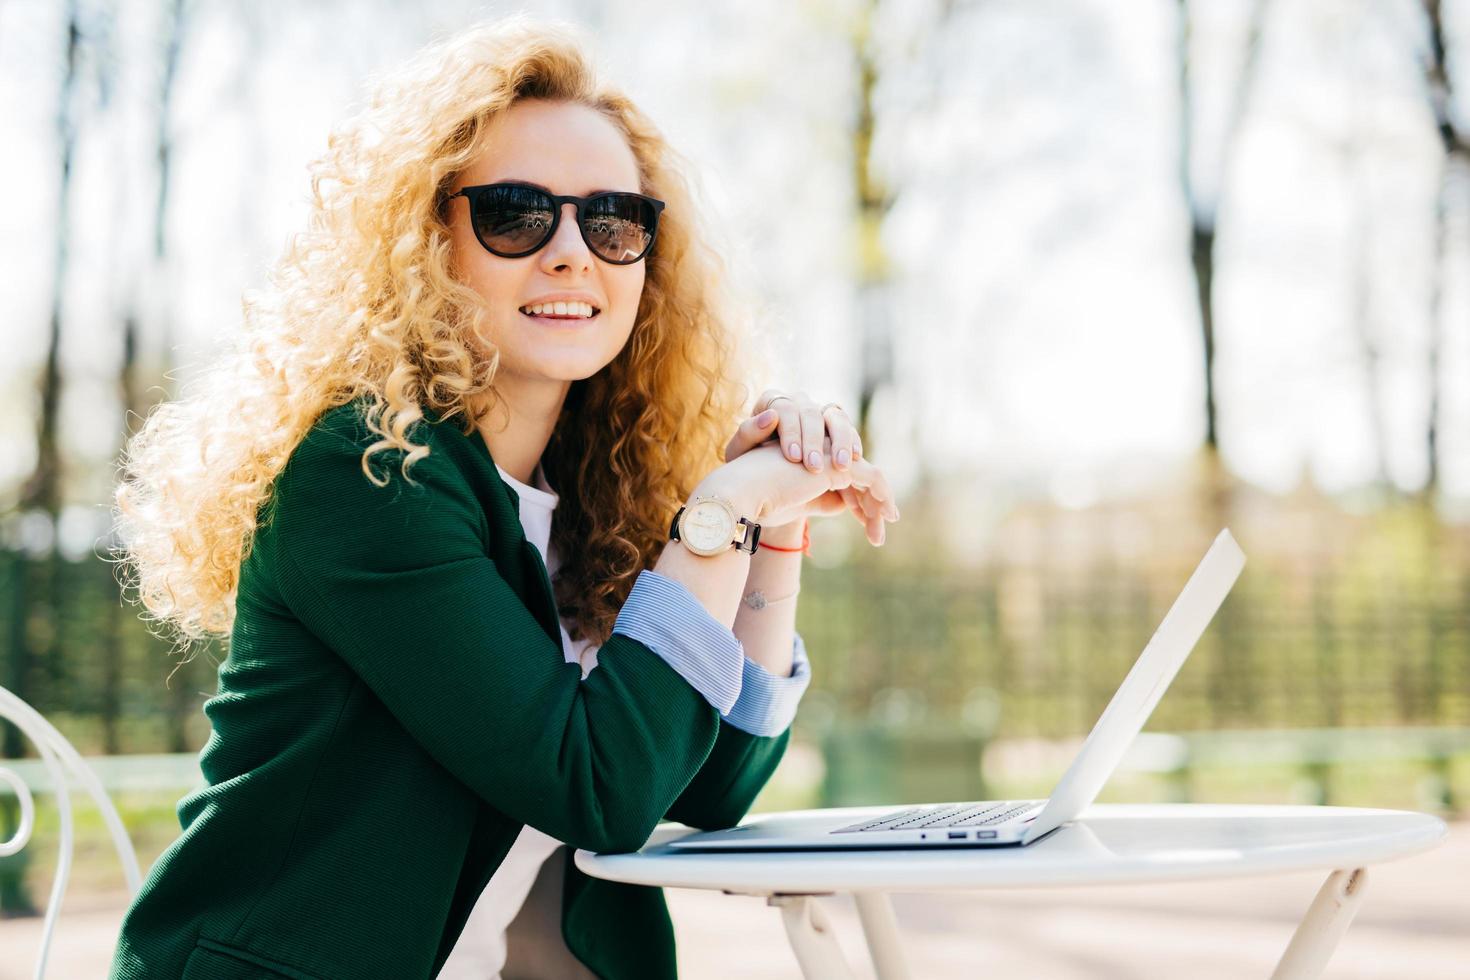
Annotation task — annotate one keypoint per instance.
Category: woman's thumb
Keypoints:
(751, 433)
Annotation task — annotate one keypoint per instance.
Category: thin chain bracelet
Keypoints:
(756, 599)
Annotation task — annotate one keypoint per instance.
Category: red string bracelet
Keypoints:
(806, 541)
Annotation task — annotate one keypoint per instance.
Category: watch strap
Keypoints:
(752, 536)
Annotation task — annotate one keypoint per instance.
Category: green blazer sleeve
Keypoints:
(398, 581)
(727, 784)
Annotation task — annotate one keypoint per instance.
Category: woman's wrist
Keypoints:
(790, 536)
(746, 505)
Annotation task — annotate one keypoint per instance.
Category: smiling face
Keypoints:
(564, 148)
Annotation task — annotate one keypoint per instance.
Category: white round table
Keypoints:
(1107, 844)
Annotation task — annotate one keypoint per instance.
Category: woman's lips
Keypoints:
(553, 319)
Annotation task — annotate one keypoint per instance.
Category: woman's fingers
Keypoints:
(813, 435)
(872, 514)
(817, 428)
(751, 433)
(853, 499)
(883, 492)
(868, 486)
(860, 486)
(802, 426)
(845, 442)
(871, 479)
(849, 499)
(788, 422)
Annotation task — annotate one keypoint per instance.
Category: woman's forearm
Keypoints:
(767, 630)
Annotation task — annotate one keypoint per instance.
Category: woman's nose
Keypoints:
(566, 246)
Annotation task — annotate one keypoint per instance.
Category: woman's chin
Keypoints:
(562, 369)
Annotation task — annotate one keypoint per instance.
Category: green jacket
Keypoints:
(394, 707)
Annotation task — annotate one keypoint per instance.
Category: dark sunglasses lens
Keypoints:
(619, 227)
(512, 220)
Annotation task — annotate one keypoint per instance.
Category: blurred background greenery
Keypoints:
(1097, 280)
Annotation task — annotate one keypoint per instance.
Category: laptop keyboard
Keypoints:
(945, 815)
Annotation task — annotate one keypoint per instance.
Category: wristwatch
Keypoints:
(707, 526)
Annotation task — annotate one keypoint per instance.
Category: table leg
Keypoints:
(812, 939)
(881, 929)
(1331, 912)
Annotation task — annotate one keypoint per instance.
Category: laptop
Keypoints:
(992, 823)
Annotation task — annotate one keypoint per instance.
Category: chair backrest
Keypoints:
(61, 760)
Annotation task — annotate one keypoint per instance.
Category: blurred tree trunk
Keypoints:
(34, 596)
(40, 494)
(874, 200)
(873, 203)
(1203, 197)
(1204, 183)
(1454, 174)
(1454, 166)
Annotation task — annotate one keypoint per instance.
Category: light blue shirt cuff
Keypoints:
(665, 617)
(767, 702)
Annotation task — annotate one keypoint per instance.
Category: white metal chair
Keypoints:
(61, 760)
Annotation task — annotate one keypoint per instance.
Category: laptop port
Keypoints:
(956, 835)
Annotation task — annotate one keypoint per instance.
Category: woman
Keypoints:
(431, 687)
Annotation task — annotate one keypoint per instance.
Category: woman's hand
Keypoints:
(765, 484)
(810, 434)
(800, 425)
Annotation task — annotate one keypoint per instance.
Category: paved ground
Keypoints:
(1415, 923)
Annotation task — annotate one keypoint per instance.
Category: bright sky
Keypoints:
(1042, 306)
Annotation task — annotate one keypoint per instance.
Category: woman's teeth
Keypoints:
(583, 310)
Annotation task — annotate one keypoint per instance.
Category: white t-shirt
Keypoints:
(479, 953)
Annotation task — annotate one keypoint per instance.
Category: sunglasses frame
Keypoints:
(470, 194)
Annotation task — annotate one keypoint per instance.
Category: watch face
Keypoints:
(707, 526)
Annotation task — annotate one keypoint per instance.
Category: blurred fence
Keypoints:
(1361, 625)
(1046, 651)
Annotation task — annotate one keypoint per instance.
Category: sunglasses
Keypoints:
(513, 220)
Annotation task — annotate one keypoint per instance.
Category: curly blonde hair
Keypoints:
(363, 305)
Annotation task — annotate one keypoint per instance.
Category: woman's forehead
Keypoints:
(562, 147)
